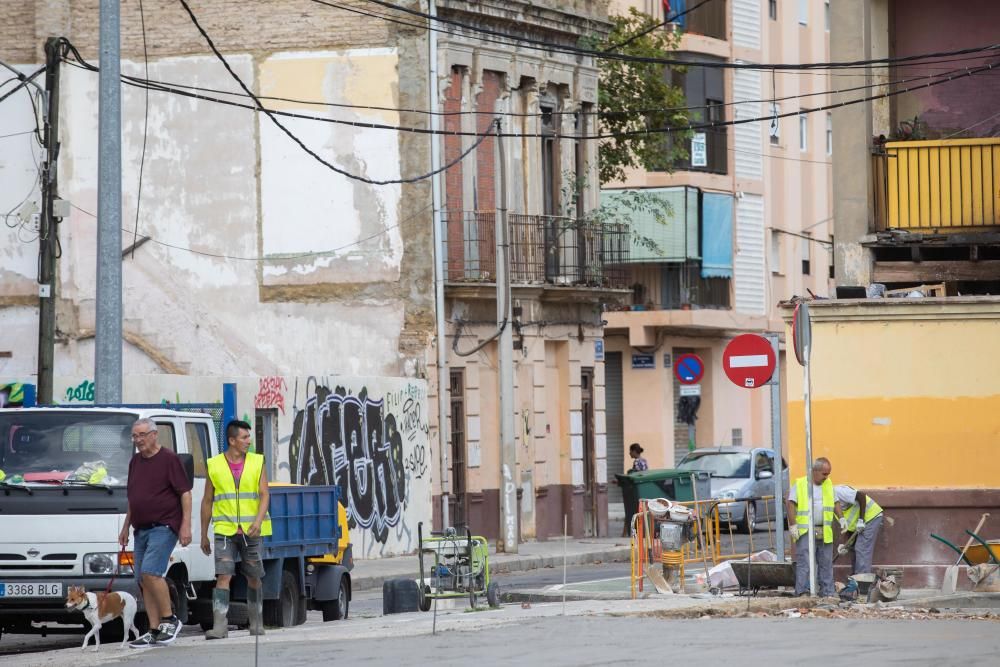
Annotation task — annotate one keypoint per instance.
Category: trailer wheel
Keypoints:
(336, 610)
(493, 594)
(281, 613)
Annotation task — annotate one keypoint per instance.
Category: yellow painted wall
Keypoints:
(902, 402)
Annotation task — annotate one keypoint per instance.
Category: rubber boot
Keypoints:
(220, 612)
(255, 603)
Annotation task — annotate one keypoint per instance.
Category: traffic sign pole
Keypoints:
(779, 474)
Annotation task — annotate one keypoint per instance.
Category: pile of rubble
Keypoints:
(847, 610)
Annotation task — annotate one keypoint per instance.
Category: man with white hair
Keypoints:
(159, 508)
(818, 491)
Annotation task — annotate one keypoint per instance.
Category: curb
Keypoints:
(372, 582)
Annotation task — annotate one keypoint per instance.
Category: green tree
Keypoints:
(637, 96)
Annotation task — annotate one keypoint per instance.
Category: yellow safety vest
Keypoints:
(872, 510)
(803, 490)
(232, 507)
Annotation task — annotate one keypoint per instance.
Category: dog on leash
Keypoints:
(101, 608)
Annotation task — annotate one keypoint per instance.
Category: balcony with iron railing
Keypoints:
(940, 186)
(544, 250)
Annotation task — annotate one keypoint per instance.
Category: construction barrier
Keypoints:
(713, 542)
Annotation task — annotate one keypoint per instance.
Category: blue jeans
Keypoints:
(153, 547)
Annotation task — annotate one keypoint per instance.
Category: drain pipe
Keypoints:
(439, 255)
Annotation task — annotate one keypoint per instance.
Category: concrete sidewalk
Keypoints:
(370, 573)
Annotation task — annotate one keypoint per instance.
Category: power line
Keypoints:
(343, 172)
(145, 129)
(548, 46)
(174, 86)
(278, 258)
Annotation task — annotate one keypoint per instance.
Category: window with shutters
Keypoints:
(803, 12)
(806, 244)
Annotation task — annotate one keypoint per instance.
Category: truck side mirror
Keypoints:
(764, 474)
(188, 462)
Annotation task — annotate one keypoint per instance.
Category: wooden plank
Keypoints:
(936, 272)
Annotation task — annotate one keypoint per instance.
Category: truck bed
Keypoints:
(303, 521)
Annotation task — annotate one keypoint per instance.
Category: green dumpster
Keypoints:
(663, 483)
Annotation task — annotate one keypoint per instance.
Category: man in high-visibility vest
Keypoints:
(818, 491)
(861, 515)
(236, 501)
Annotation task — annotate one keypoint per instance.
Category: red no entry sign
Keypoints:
(749, 361)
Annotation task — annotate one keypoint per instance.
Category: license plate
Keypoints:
(35, 589)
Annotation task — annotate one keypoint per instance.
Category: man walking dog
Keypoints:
(236, 501)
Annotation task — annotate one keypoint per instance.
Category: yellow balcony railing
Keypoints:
(948, 185)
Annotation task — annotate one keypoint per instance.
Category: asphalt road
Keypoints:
(608, 640)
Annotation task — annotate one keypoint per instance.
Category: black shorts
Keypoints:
(229, 547)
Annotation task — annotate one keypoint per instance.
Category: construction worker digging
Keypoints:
(860, 520)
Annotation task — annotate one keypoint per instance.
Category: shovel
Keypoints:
(950, 581)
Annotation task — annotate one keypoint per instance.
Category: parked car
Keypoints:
(739, 473)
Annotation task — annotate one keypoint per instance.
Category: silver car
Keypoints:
(737, 474)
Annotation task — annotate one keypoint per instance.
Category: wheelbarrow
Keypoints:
(975, 554)
(459, 566)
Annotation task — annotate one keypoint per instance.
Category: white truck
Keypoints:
(57, 531)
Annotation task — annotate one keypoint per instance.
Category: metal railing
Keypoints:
(544, 249)
(944, 185)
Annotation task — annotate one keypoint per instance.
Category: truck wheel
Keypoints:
(336, 610)
(425, 599)
(493, 594)
(280, 613)
(178, 599)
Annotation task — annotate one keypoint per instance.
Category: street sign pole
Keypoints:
(779, 474)
(802, 338)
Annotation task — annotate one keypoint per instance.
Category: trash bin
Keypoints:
(662, 483)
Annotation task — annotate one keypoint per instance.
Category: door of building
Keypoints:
(614, 411)
(458, 508)
(589, 457)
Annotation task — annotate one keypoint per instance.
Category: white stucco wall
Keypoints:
(220, 188)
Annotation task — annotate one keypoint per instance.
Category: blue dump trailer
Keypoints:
(307, 561)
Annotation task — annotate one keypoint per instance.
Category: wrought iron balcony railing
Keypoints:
(544, 249)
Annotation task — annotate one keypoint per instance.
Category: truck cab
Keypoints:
(63, 501)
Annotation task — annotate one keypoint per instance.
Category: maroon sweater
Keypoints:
(155, 486)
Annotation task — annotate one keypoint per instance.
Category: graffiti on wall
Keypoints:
(271, 393)
(373, 448)
(11, 395)
(81, 393)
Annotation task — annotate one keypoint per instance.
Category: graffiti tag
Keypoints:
(83, 392)
(12, 395)
(416, 461)
(271, 393)
(352, 442)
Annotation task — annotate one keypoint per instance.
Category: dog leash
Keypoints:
(114, 574)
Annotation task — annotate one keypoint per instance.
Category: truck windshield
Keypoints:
(720, 464)
(71, 447)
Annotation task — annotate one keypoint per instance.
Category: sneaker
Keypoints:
(168, 630)
(147, 640)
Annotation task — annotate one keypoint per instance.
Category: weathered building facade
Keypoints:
(252, 258)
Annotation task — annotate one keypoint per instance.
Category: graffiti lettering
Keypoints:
(83, 392)
(351, 441)
(416, 461)
(271, 394)
(509, 496)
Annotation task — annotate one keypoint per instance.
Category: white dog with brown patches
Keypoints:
(100, 608)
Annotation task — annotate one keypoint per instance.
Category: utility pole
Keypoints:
(505, 354)
(48, 227)
(440, 248)
(108, 333)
